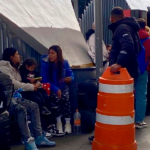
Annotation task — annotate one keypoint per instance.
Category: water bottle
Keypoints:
(77, 122)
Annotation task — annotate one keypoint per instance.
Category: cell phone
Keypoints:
(37, 78)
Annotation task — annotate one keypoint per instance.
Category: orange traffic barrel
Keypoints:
(114, 128)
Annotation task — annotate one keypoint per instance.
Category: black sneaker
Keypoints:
(45, 111)
(54, 132)
(91, 138)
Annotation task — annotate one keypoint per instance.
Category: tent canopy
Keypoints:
(43, 23)
(139, 4)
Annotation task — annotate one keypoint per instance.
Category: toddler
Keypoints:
(30, 75)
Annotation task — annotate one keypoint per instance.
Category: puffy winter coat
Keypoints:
(14, 74)
(125, 45)
(55, 84)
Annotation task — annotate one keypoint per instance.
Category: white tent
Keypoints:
(43, 23)
(139, 4)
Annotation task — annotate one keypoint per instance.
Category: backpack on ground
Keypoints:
(87, 103)
(141, 57)
(87, 95)
(6, 91)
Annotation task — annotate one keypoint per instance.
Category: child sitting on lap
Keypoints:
(29, 75)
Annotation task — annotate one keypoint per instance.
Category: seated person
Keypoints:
(28, 75)
(56, 71)
(21, 107)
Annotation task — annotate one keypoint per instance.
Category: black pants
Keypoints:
(63, 104)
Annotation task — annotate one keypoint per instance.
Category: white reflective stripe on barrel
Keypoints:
(114, 120)
(108, 88)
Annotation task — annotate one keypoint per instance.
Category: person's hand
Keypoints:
(114, 68)
(40, 79)
(67, 80)
(37, 85)
(32, 80)
(59, 93)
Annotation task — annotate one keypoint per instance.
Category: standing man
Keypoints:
(125, 42)
(142, 79)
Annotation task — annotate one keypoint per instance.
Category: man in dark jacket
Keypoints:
(125, 42)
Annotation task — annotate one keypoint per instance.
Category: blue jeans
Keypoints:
(140, 97)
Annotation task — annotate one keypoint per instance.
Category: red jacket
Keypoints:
(143, 35)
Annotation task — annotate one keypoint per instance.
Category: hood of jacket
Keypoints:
(5, 63)
(143, 34)
(45, 58)
(130, 21)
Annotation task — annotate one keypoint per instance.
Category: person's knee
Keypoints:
(34, 106)
(21, 110)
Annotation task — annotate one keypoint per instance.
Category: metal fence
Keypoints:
(107, 7)
(87, 18)
(8, 39)
(86, 23)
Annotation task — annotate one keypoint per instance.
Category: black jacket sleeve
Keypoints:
(24, 73)
(125, 39)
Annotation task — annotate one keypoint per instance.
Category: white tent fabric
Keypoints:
(48, 22)
(139, 4)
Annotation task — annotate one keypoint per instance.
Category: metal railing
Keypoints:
(8, 39)
(87, 18)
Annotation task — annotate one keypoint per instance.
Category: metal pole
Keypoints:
(98, 38)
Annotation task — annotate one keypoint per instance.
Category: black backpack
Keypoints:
(87, 103)
(6, 91)
(87, 95)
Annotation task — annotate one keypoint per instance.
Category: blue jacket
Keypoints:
(55, 86)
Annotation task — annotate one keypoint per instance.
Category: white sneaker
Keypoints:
(68, 128)
(48, 135)
(144, 124)
(141, 125)
(59, 127)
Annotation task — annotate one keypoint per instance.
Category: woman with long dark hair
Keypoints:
(21, 107)
(56, 71)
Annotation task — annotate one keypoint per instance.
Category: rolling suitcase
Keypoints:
(4, 131)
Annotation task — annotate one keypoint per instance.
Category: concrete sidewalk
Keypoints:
(80, 142)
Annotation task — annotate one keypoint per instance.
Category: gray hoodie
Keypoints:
(6, 68)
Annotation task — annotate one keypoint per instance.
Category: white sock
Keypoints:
(58, 119)
(67, 120)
